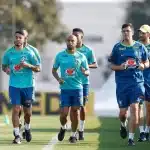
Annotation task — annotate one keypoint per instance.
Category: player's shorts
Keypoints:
(85, 93)
(19, 96)
(129, 94)
(71, 98)
(147, 92)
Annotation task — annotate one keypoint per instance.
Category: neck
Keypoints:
(79, 45)
(19, 47)
(71, 51)
(146, 41)
(128, 42)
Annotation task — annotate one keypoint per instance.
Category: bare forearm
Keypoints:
(94, 65)
(35, 68)
(4, 67)
(146, 64)
(116, 67)
(55, 74)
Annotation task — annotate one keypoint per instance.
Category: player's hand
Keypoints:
(7, 70)
(25, 64)
(141, 66)
(61, 81)
(85, 72)
(123, 66)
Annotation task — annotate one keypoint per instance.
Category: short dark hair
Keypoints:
(20, 32)
(127, 25)
(78, 30)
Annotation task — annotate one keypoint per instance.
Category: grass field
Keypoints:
(101, 134)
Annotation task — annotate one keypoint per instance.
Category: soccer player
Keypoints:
(72, 64)
(144, 34)
(36, 52)
(128, 59)
(90, 56)
(19, 63)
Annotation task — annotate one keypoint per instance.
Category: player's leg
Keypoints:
(83, 111)
(14, 94)
(141, 122)
(27, 95)
(64, 110)
(136, 94)
(76, 103)
(147, 104)
(147, 128)
(123, 104)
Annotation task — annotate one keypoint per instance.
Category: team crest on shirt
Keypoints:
(70, 72)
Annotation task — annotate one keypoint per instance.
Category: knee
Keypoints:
(28, 103)
(16, 109)
(123, 114)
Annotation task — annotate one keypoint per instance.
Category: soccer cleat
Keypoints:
(81, 135)
(17, 140)
(28, 135)
(142, 137)
(123, 132)
(72, 139)
(147, 136)
(131, 142)
(61, 134)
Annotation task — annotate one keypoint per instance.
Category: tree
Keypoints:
(138, 13)
(40, 17)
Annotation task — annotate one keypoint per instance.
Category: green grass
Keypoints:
(100, 134)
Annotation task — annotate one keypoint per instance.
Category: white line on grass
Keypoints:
(54, 140)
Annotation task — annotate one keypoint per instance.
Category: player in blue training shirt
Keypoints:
(144, 35)
(19, 63)
(129, 58)
(90, 56)
(71, 63)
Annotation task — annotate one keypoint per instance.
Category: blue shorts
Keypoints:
(18, 96)
(71, 98)
(129, 94)
(147, 92)
(85, 93)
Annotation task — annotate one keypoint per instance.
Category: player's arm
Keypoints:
(85, 67)
(145, 62)
(113, 61)
(55, 69)
(5, 64)
(92, 58)
(34, 65)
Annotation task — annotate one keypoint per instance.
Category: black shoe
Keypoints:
(28, 135)
(17, 140)
(23, 135)
(142, 137)
(73, 139)
(147, 137)
(81, 135)
(61, 134)
(131, 142)
(123, 132)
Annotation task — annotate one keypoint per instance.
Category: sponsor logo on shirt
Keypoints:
(70, 72)
(122, 48)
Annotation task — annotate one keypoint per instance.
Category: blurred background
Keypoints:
(50, 21)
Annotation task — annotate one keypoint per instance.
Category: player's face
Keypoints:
(143, 36)
(127, 33)
(19, 39)
(71, 42)
(79, 36)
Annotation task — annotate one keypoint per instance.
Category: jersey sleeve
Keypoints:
(84, 63)
(5, 59)
(144, 53)
(34, 60)
(92, 58)
(56, 62)
(113, 56)
(37, 54)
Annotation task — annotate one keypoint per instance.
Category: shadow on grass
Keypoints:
(109, 137)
